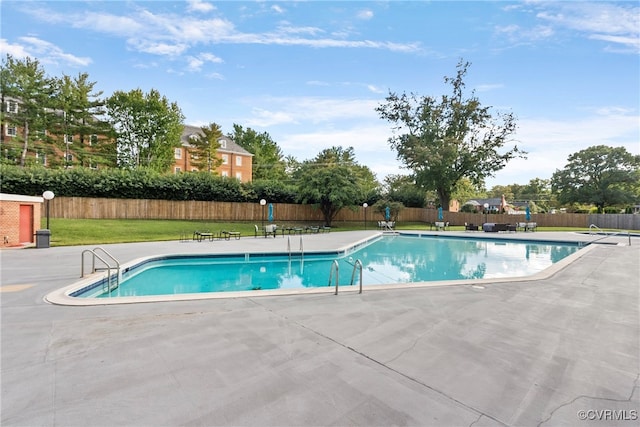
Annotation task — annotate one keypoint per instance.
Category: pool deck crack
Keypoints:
(604, 399)
(384, 365)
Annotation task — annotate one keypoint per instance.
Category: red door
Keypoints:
(26, 223)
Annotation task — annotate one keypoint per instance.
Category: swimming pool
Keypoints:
(385, 260)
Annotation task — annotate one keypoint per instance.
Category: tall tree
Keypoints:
(333, 181)
(26, 85)
(148, 128)
(599, 175)
(204, 148)
(268, 161)
(443, 141)
(77, 122)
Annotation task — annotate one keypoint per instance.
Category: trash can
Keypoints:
(43, 238)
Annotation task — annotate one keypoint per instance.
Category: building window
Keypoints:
(223, 143)
(177, 170)
(225, 159)
(41, 158)
(68, 139)
(11, 130)
(224, 174)
(69, 157)
(12, 107)
(238, 160)
(177, 153)
(93, 139)
(239, 176)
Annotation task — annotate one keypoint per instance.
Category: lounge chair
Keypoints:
(270, 229)
(471, 227)
(441, 225)
(202, 235)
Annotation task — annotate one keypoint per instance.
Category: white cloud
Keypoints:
(157, 48)
(550, 142)
(375, 89)
(312, 110)
(606, 18)
(173, 34)
(199, 6)
(46, 52)
(277, 9)
(518, 34)
(617, 23)
(195, 63)
(365, 14)
(369, 143)
(15, 50)
(625, 43)
(215, 76)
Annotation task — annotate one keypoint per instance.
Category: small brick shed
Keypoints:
(19, 218)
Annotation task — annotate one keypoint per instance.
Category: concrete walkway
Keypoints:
(559, 351)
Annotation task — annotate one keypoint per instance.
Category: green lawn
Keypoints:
(69, 232)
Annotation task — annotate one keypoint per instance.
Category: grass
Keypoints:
(71, 232)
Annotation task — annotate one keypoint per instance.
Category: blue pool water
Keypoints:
(397, 259)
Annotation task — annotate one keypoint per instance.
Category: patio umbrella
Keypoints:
(527, 213)
(440, 216)
(270, 212)
(387, 213)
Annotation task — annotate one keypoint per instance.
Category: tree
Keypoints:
(450, 139)
(403, 189)
(148, 128)
(268, 160)
(76, 122)
(25, 84)
(204, 148)
(599, 175)
(333, 180)
(465, 191)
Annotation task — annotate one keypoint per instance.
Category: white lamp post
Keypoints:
(364, 207)
(48, 196)
(486, 208)
(263, 202)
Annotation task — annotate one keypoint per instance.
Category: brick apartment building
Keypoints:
(236, 161)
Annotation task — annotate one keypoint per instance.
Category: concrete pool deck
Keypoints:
(563, 350)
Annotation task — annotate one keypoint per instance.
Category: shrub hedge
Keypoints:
(139, 184)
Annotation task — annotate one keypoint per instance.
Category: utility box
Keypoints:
(43, 238)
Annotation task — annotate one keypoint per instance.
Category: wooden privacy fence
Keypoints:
(96, 208)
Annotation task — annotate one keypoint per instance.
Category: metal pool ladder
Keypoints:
(289, 247)
(356, 266)
(108, 286)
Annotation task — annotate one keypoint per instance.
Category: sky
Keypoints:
(311, 73)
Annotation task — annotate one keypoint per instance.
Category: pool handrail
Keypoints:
(109, 267)
(357, 265)
(337, 269)
(607, 234)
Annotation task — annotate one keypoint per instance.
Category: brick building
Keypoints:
(19, 218)
(236, 161)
